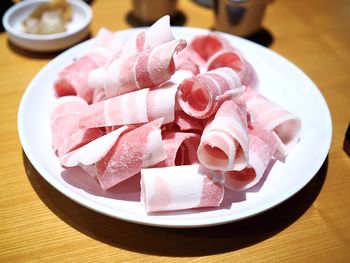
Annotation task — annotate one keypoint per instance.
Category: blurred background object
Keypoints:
(4, 5)
(148, 11)
(239, 17)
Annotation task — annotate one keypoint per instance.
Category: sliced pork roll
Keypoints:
(136, 149)
(200, 96)
(284, 125)
(179, 187)
(180, 147)
(157, 34)
(66, 132)
(73, 79)
(135, 107)
(145, 69)
(224, 142)
(262, 146)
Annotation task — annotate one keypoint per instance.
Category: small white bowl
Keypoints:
(77, 29)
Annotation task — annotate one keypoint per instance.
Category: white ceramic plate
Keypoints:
(279, 80)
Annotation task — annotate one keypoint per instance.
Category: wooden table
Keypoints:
(39, 224)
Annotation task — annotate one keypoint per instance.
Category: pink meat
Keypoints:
(66, 133)
(200, 96)
(73, 79)
(227, 58)
(181, 148)
(262, 145)
(208, 44)
(233, 59)
(179, 187)
(139, 148)
(142, 70)
(93, 151)
(284, 125)
(157, 34)
(108, 40)
(224, 142)
(186, 122)
(135, 107)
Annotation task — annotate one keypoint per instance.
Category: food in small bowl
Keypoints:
(36, 25)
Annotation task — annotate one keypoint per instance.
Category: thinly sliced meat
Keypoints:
(201, 95)
(233, 59)
(180, 75)
(262, 145)
(157, 34)
(92, 152)
(179, 187)
(186, 122)
(109, 40)
(227, 58)
(186, 60)
(73, 79)
(66, 133)
(135, 107)
(143, 70)
(208, 44)
(267, 114)
(181, 148)
(224, 142)
(67, 105)
(139, 148)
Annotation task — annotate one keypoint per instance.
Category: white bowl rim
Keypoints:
(10, 29)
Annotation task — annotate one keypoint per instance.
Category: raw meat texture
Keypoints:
(143, 70)
(233, 59)
(224, 142)
(134, 107)
(94, 151)
(66, 133)
(227, 58)
(180, 148)
(179, 187)
(200, 96)
(136, 149)
(187, 123)
(157, 34)
(73, 79)
(262, 146)
(189, 118)
(284, 125)
(208, 44)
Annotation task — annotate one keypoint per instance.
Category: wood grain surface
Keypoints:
(39, 224)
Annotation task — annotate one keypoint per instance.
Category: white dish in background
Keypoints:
(77, 29)
(279, 80)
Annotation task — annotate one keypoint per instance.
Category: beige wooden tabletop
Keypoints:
(38, 223)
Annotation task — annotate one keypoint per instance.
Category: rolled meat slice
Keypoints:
(179, 187)
(180, 147)
(262, 146)
(93, 151)
(224, 142)
(233, 59)
(136, 149)
(66, 133)
(135, 107)
(284, 125)
(73, 79)
(227, 58)
(187, 123)
(143, 70)
(200, 96)
(207, 45)
(157, 34)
